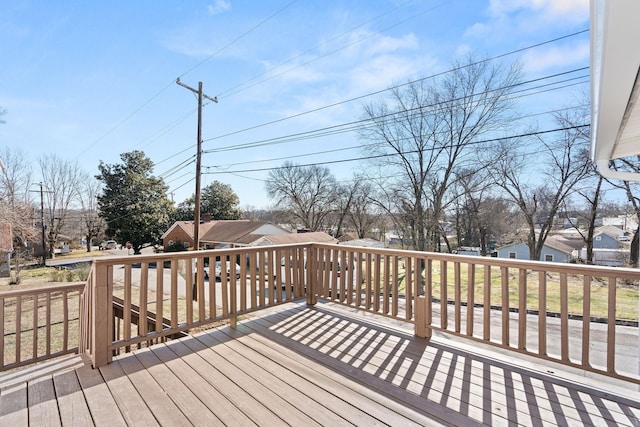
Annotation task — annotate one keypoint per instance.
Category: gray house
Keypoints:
(554, 250)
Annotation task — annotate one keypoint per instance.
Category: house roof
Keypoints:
(556, 242)
(559, 243)
(239, 232)
(366, 243)
(610, 230)
(187, 226)
(615, 84)
(292, 238)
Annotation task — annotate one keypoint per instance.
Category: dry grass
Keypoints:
(626, 295)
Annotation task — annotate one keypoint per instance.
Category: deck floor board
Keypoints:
(326, 366)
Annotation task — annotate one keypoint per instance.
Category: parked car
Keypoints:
(218, 270)
(108, 244)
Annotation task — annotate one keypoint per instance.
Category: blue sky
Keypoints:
(91, 80)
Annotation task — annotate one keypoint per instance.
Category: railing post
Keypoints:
(420, 310)
(311, 275)
(101, 322)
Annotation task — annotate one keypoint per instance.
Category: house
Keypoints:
(182, 231)
(555, 249)
(608, 257)
(607, 237)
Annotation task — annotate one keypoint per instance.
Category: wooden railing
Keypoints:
(577, 315)
(39, 323)
(173, 287)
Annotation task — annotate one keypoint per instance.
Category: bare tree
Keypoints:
(61, 179)
(15, 180)
(540, 188)
(363, 214)
(425, 131)
(92, 223)
(307, 191)
(480, 214)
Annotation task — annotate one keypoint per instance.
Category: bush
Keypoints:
(78, 274)
(176, 246)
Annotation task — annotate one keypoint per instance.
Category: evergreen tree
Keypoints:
(134, 203)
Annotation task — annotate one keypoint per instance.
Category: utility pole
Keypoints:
(196, 215)
(44, 248)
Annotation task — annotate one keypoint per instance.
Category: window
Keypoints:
(598, 238)
(186, 244)
(512, 255)
(548, 257)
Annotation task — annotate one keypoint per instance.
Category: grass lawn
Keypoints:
(627, 295)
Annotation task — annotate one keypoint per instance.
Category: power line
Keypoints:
(377, 156)
(357, 124)
(357, 98)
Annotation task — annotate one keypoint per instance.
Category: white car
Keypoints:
(219, 270)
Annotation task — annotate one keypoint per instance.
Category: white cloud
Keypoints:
(561, 56)
(572, 11)
(219, 6)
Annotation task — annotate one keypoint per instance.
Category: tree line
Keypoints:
(440, 158)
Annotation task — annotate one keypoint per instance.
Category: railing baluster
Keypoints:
(65, 321)
(127, 303)
(564, 318)
(189, 285)
(542, 313)
(159, 294)
(586, 320)
(368, 281)
(224, 286)
(611, 326)
(486, 322)
(48, 323)
(444, 298)
(253, 280)
(386, 283)
(144, 289)
(504, 280)
(428, 293)
(34, 335)
(260, 279)
(409, 288)
(457, 297)
(2, 319)
(394, 287)
(376, 284)
(243, 283)
(471, 282)
(522, 309)
(18, 327)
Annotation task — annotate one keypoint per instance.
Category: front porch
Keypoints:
(322, 365)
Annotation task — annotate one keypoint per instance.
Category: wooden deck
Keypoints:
(294, 365)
